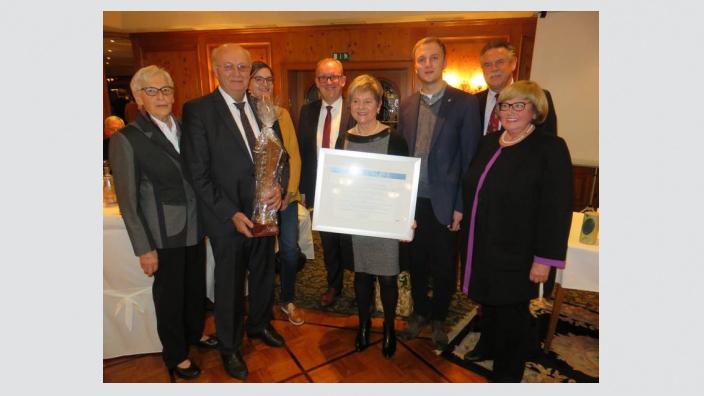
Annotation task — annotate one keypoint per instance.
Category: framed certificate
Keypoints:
(366, 194)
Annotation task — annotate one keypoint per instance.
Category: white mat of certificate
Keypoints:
(366, 194)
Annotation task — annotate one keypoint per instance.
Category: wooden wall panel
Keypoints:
(184, 69)
(299, 48)
(583, 179)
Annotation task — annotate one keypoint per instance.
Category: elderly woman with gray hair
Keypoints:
(158, 207)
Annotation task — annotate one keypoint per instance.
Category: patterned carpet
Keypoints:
(311, 283)
(573, 355)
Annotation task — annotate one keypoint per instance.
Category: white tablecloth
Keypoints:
(129, 321)
(582, 269)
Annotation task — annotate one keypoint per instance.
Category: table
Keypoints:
(581, 272)
(129, 321)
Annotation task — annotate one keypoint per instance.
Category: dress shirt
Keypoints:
(236, 117)
(172, 133)
(336, 113)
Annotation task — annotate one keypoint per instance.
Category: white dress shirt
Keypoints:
(171, 133)
(336, 113)
(236, 116)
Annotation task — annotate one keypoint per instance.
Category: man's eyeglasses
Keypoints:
(518, 106)
(152, 91)
(332, 78)
(241, 67)
(262, 80)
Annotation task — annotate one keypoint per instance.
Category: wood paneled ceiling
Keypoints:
(118, 24)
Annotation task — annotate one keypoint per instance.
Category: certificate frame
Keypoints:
(366, 194)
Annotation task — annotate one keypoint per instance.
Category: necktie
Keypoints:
(494, 119)
(251, 140)
(326, 128)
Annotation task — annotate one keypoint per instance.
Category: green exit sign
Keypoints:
(341, 56)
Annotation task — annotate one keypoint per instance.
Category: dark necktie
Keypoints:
(251, 140)
(494, 119)
(326, 128)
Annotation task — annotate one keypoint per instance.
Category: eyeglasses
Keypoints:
(262, 80)
(334, 78)
(518, 106)
(241, 67)
(152, 91)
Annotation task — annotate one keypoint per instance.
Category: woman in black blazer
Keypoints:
(158, 205)
(519, 203)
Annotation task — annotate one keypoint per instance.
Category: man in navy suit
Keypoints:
(319, 124)
(219, 134)
(498, 60)
(441, 125)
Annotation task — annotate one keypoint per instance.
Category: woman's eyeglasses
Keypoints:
(518, 106)
(152, 91)
(262, 80)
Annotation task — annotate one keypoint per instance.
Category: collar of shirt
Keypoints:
(432, 99)
(230, 100)
(171, 132)
(236, 116)
(336, 105)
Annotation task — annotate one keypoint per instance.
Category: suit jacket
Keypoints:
(153, 188)
(455, 138)
(550, 123)
(219, 162)
(307, 132)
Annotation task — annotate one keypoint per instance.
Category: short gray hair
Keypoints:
(140, 78)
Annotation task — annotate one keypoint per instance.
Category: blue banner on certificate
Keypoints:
(366, 194)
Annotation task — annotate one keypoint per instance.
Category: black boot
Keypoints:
(362, 340)
(388, 348)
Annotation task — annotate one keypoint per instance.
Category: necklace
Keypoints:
(520, 137)
(360, 132)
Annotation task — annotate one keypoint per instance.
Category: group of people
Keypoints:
(491, 166)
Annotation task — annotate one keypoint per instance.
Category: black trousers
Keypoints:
(234, 255)
(335, 255)
(179, 300)
(433, 253)
(507, 331)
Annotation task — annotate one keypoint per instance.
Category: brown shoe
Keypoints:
(328, 298)
(294, 315)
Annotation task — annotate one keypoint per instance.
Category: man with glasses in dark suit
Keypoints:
(319, 125)
(219, 132)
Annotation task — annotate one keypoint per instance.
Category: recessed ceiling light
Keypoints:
(112, 41)
(107, 57)
(107, 63)
(109, 50)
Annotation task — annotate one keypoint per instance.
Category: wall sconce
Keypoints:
(470, 82)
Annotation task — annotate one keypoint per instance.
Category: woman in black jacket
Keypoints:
(519, 189)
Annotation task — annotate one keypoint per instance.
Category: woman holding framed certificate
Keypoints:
(374, 257)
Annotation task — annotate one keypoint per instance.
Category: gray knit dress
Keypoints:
(373, 255)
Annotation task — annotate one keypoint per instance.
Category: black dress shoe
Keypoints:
(189, 372)
(388, 347)
(209, 343)
(362, 341)
(269, 336)
(235, 366)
